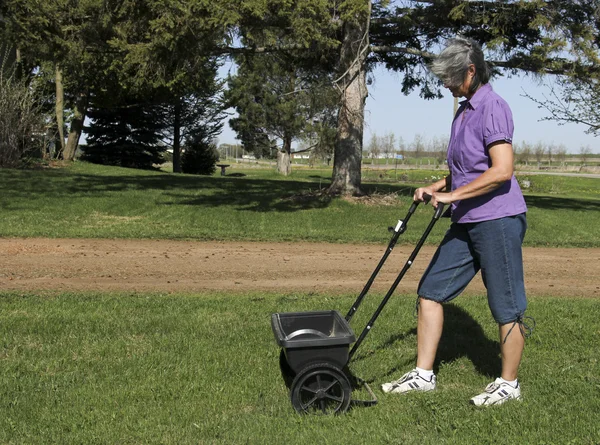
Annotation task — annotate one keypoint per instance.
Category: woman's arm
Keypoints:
(502, 169)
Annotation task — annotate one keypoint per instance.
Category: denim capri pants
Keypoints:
(494, 247)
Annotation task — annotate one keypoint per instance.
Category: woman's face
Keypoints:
(462, 90)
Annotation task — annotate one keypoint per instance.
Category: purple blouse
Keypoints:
(484, 119)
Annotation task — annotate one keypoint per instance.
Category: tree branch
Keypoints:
(558, 66)
(403, 50)
(258, 50)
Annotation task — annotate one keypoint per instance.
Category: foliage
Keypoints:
(174, 45)
(282, 97)
(62, 32)
(137, 45)
(170, 46)
(125, 133)
(199, 114)
(541, 36)
(68, 39)
(200, 157)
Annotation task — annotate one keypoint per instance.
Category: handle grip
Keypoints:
(439, 210)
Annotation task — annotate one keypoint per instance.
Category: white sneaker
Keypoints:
(496, 393)
(411, 381)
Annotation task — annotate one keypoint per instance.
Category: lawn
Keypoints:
(255, 204)
(204, 369)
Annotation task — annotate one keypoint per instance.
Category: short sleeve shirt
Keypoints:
(484, 119)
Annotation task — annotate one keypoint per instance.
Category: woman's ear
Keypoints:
(471, 71)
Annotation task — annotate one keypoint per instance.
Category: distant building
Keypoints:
(302, 154)
(385, 156)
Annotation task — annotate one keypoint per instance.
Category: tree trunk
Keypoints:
(352, 83)
(177, 137)
(284, 161)
(79, 112)
(60, 107)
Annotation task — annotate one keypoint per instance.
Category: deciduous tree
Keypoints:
(70, 37)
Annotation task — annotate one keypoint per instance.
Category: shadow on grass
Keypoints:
(260, 195)
(556, 203)
(233, 190)
(462, 337)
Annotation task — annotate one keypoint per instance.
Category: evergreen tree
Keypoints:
(196, 116)
(200, 156)
(279, 97)
(126, 133)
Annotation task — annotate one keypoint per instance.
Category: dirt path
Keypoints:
(184, 266)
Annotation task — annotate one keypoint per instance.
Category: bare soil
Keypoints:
(190, 266)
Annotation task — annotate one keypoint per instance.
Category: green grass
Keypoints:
(204, 369)
(256, 204)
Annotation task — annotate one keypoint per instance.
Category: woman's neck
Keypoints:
(469, 95)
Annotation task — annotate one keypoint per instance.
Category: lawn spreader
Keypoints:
(315, 345)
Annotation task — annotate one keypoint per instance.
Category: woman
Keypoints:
(488, 224)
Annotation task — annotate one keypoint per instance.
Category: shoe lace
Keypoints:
(492, 387)
(405, 377)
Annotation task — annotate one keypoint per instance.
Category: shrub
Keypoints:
(200, 157)
(21, 119)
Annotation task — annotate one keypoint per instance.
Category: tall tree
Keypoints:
(541, 36)
(194, 117)
(278, 98)
(352, 84)
(171, 46)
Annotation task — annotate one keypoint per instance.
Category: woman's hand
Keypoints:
(432, 190)
(441, 197)
(418, 196)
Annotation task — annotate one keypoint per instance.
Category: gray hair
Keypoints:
(452, 65)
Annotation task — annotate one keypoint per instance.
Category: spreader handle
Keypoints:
(438, 213)
(439, 210)
(397, 231)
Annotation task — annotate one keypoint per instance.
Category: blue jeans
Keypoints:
(494, 247)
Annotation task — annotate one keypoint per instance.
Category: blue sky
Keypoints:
(388, 110)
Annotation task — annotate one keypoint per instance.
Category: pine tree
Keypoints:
(280, 97)
(126, 133)
(200, 156)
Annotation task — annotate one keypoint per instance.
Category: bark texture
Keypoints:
(60, 106)
(79, 113)
(177, 137)
(284, 157)
(352, 83)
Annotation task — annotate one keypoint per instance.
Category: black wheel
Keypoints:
(287, 372)
(321, 388)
